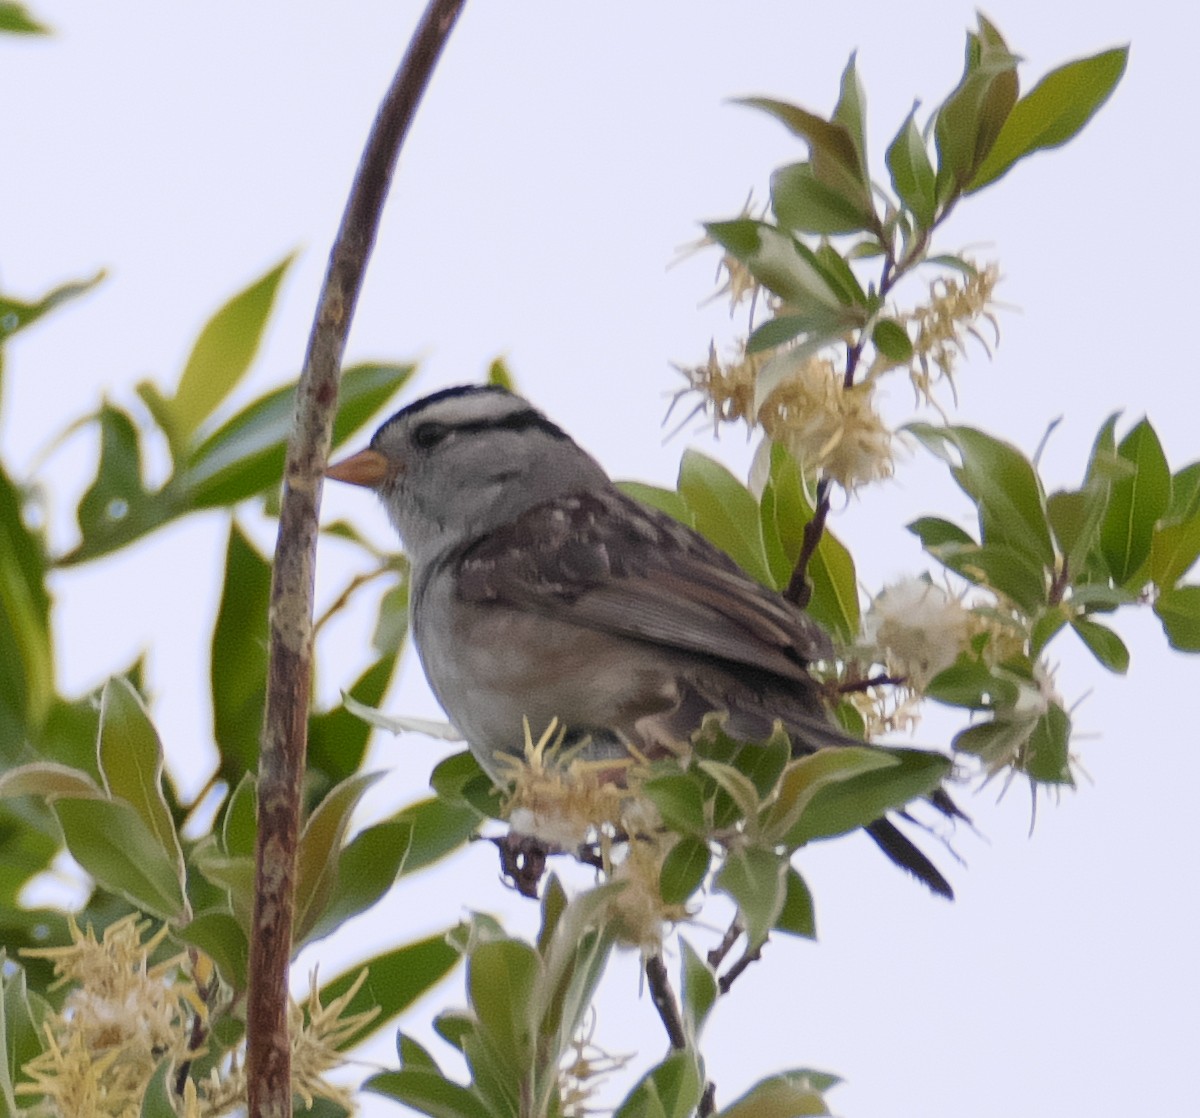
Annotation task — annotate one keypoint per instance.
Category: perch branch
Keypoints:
(289, 672)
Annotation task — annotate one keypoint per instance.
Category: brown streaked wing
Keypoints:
(603, 561)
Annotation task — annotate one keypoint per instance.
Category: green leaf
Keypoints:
(318, 857)
(665, 500)
(1047, 754)
(156, 1100)
(1185, 493)
(20, 1030)
(785, 510)
(428, 1092)
(1179, 612)
(840, 276)
(224, 350)
(117, 507)
(414, 1055)
(726, 512)
(972, 117)
(26, 648)
(788, 268)
(763, 763)
(337, 738)
(844, 805)
(792, 1094)
(851, 112)
(934, 532)
(1003, 484)
(679, 799)
(1174, 549)
(220, 936)
(1135, 503)
(971, 684)
(15, 314)
(755, 879)
(438, 827)
(671, 1089)
(109, 839)
(130, 757)
(239, 828)
(391, 626)
(395, 979)
(1000, 567)
(912, 172)
(1054, 111)
(683, 869)
(238, 666)
(737, 786)
(806, 776)
(575, 954)
(245, 455)
(892, 340)
(834, 148)
(366, 870)
(1103, 643)
(1075, 519)
(787, 327)
(797, 917)
(1045, 628)
(801, 202)
(48, 780)
(699, 990)
(501, 979)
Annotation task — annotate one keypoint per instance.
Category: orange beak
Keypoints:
(367, 468)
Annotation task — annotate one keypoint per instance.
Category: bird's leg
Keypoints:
(523, 861)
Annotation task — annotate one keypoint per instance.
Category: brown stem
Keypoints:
(871, 681)
(289, 671)
(799, 591)
(663, 998)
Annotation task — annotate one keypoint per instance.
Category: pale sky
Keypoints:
(564, 153)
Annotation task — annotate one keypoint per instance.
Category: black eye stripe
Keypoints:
(430, 433)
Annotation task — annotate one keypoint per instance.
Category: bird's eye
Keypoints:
(430, 434)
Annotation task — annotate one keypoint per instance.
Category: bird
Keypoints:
(540, 591)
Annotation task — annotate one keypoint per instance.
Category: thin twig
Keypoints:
(663, 998)
(289, 672)
(343, 599)
(735, 972)
(717, 955)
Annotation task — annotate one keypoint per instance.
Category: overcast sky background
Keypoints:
(563, 154)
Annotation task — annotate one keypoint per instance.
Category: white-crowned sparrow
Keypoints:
(541, 591)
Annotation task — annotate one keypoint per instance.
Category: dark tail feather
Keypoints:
(892, 841)
(940, 799)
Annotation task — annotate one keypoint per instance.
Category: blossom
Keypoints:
(120, 1019)
(559, 798)
(943, 323)
(917, 630)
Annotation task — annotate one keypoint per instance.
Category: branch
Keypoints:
(663, 998)
(798, 590)
(289, 671)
